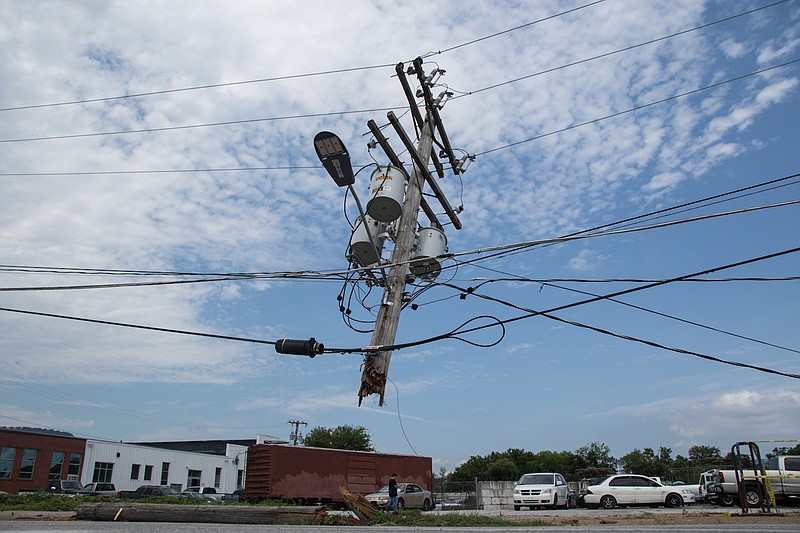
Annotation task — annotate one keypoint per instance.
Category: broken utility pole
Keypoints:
(376, 366)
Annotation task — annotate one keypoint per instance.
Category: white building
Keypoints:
(129, 466)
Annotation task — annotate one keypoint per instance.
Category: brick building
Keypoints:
(30, 458)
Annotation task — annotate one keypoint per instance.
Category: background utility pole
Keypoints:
(373, 378)
(296, 437)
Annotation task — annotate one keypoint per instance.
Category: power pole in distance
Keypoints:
(296, 436)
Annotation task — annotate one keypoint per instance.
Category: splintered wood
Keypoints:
(358, 504)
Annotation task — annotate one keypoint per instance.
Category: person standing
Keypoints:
(392, 505)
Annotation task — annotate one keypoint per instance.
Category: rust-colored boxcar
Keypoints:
(315, 474)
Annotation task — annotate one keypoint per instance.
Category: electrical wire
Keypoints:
(399, 417)
(281, 78)
(618, 51)
(639, 107)
(529, 313)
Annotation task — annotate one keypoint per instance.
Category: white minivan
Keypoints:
(541, 490)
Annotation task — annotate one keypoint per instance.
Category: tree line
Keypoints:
(595, 460)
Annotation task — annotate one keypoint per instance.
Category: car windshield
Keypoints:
(385, 488)
(537, 479)
(71, 485)
(170, 490)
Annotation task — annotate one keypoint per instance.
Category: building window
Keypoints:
(217, 477)
(165, 473)
(102, 472)
(148, 472)
(7, 462)
(193, 479)
(135, 471)
(74, 471)
(28, 460)
(56, 465)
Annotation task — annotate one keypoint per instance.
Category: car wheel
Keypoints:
(555, 502)
(517, 507)
(401, 504)
(426, 505)
(674, 500)
(572, 503)
(608, 502)
(753, 497)
(726, 500)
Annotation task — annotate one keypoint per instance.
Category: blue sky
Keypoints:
(580, 114)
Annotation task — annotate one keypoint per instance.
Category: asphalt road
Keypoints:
(616, 523)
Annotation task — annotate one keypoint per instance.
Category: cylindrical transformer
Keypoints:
(387, 190)
(364, 251)
(430, 243)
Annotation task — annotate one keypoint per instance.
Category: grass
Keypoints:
(38, 502)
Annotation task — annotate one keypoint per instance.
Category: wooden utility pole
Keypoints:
(376, 365)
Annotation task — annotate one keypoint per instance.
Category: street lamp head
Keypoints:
(334, 157)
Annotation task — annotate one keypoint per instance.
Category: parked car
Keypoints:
(199, 496)
(149, 491)
(210, 492)
(546, 489)
(67, 487)
(409, 496)
(444, 504)
(102, 489)
(631, 489)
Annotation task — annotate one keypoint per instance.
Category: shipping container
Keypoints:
(314, 475)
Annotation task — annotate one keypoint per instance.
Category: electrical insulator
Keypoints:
(295, 347)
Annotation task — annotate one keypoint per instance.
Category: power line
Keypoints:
(639, 107)
(548, 314)
(619, 50)
(485, 152)
(137, 326)
(338, 275)
(194, 126)
(287, 77)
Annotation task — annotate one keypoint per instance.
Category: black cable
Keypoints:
(194, 126)
(664, 315)
(531, 313)
(618, 51)
(400, 418)
(281, 78)
(639, 107)
(137, 326)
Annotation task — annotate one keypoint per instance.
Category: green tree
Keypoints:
(705, 456)
(502, 469)
(647, 463)
(340, 438)
(595, 455)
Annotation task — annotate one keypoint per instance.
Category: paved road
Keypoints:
(130, 527)
(748, 524)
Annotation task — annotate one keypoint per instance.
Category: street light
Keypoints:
(331, 151)
(334, 157)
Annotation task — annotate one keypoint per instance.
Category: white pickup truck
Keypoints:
(209, 492)
(782, 471)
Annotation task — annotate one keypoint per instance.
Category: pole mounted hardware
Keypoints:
(295, 347)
